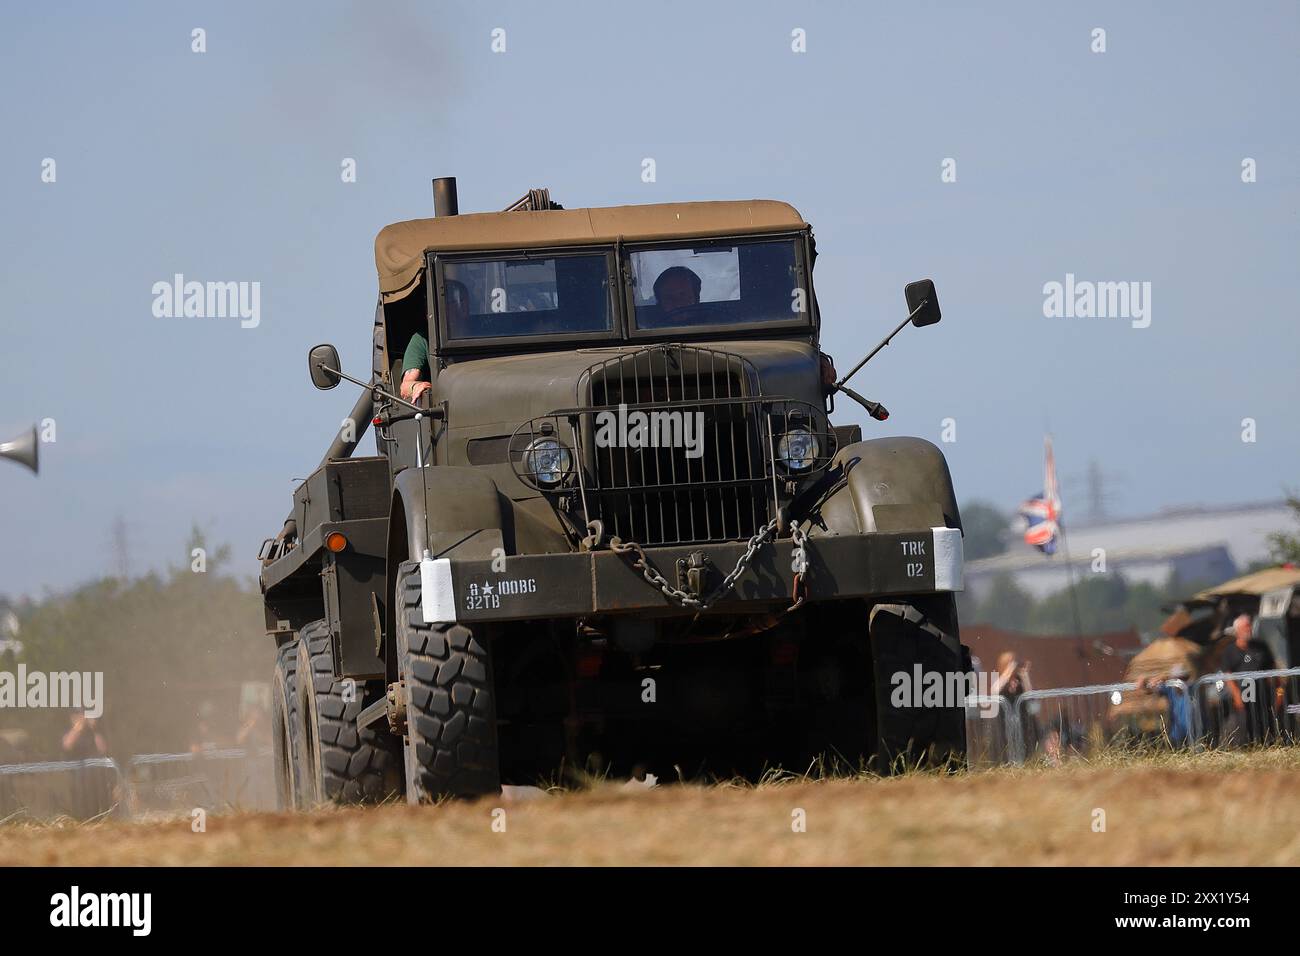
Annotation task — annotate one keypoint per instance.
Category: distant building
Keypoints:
(1199, 545)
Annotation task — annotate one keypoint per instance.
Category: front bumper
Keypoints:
(600, 582)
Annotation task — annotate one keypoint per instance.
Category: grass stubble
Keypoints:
(1161, 808)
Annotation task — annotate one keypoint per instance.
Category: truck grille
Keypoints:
(716, 489)
(669, 444)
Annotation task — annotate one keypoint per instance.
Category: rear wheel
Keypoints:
(343, 763)
(286, 728)
(451, 732)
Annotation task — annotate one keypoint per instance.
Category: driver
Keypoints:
(677, 289)
(415, 363)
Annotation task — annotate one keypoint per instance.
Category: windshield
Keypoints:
(717, 284)
(562, 294)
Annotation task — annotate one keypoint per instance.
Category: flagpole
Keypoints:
(1074, 598)
(1049, 508)
(1069, 565)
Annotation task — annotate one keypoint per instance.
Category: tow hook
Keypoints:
(693, 573)
(397, 708)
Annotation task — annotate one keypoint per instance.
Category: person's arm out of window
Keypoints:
(412, 387)
(414, 364)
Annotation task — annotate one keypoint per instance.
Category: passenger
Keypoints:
(416, 378)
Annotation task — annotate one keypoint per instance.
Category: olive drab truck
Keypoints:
(618, 532)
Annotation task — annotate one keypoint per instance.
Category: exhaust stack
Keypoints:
(445, 202)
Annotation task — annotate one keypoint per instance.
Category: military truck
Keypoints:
(618, 533)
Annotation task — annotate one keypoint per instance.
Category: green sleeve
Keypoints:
(417, 356)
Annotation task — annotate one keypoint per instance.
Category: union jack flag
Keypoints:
(1042, 513)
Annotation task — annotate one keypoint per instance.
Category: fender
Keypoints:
(891, 484)
(448, 509)
(445, 508)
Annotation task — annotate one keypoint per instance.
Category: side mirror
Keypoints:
(323, 363)
(921, 293)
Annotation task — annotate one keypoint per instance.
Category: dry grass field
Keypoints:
(1223, 808)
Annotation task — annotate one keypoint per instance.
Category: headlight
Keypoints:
(547, 461)
(798, 449)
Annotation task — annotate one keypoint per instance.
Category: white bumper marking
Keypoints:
(437, 597)
(948, 563)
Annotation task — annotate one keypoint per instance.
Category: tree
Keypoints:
(1106, 603)
(1285, 548)
(1007, 605)
(985, 530)
(167, 644)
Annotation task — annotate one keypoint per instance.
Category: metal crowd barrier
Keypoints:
(212, 779)
(992, 731)
(1270, 714)
(1066, 722)
(1050, 724)
(1063, 722)
(150, 783)
(82, 789)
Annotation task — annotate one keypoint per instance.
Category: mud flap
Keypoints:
(911, 655)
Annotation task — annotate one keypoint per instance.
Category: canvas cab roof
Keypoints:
(1257, 583)
(401, 247)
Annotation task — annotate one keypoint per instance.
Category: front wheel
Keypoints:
(922, 676)
(451, 731)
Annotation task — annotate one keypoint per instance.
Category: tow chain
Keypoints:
(798, 563)
(764, 536)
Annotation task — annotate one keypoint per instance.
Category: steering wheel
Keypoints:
(687, 314)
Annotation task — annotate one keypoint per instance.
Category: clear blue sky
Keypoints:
(225, 166)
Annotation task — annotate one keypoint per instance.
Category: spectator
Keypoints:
(253, 732)
(1012, 677)
(1010, 681)
(84, 739)
(1180, 711)
(204, 740)
(92, 788)
(1249, 716)
(1178, 717)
